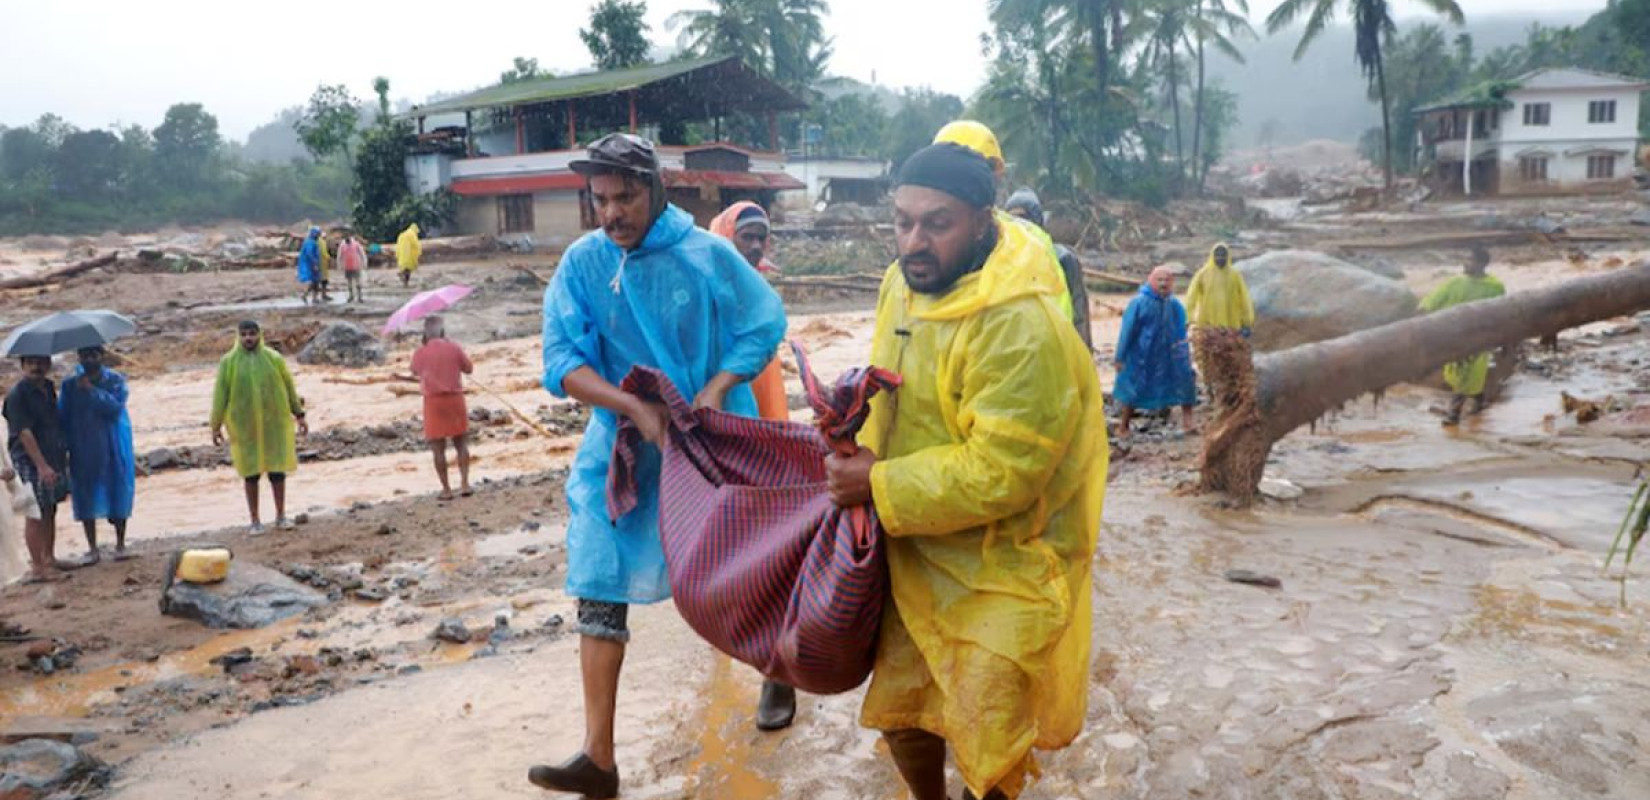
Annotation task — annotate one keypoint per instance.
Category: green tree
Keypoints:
(88, 164)
(187, 146)
(852, 125)
(729, 29)
(1422, 66)
(381, 88)
(1371, 23)
(617, 36)
(1213, 23)
(922, 112)
(521, 69)
(329, 122)
(24, 151)
(783, 39)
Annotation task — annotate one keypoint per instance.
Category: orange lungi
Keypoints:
(445, 417)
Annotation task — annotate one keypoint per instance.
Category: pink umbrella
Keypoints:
(425, 304)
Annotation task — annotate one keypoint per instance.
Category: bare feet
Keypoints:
(445, 496)
(90, 559)
(122, 554)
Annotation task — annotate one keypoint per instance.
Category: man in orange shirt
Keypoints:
(439, 367)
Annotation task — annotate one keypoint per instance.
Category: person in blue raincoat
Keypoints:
(309, 265)
(648, 289)
(1154, 360)
(102, 471)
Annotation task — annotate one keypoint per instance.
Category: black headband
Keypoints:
(953, 169)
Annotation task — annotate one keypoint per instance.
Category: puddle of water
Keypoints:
(721, 767)
(1375, 437)
(275, 304)
(509, 545)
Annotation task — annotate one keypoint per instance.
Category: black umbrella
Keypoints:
(66, 331)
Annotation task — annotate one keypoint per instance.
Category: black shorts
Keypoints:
(602, 620)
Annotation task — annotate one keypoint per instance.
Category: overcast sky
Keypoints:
(97, 62)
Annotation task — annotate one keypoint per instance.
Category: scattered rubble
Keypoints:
(343, 344)
(42, 769)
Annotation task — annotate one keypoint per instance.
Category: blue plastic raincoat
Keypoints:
(102, 471)
(684, 302)
(309, 260)
(1155, 359)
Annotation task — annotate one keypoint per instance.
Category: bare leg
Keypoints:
(120, 537)
(462, 444)
(920, 757)
(438, 448)
(40, 548)
(277, 487)
(600, 661)
(1124, 418)
(1188, 418)
(252, 501)
(92, 555)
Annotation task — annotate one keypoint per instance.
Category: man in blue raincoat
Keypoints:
(309, 265)
(647, 289)
(102, 471)
(1154, 360)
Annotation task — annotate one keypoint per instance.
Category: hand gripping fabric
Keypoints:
(762, 564)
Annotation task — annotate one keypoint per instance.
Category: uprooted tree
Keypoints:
(1296, 387)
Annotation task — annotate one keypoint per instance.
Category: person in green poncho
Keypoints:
(256, 398)
(1466, 377)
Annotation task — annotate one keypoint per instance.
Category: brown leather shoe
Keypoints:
(579, 775)
(776, 710)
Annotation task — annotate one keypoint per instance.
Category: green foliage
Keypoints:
(617, 36)
(521, 69)
(784, 39)
(187, 147)
(852, 124)
(922, 113)
(1632, 531)
(381, 202)
(329, 122)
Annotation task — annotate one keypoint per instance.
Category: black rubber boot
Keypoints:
(1457, 404)
(776, 710)
(578, 776)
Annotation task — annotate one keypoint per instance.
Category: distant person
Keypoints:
(258, 401)
(41, 459)
(747, 225)
(1154, 359)
(309, 265)
(352, 258)
(1222, 318)
(407, 252)
(102, 470)
(326, 267)
(1467, 376)
(439, 366)
(1024, 204)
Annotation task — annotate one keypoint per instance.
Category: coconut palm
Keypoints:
(1215, 24)
(1371, 21)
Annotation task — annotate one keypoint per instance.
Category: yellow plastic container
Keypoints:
(203, 566)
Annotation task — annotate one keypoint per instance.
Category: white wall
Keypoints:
(428, 172)
(1569, 116)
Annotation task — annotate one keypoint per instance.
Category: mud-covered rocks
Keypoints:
(39, 768)
(1303, 297)
(251, 597)
(342, 344)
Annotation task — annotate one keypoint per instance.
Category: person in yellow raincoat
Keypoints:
(256, 398)
(979, 138)
(326, 266)
(1468, 376)
(407, 252)
(988, 470)
(1221, 317)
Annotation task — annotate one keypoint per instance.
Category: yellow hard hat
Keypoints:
(974, 136)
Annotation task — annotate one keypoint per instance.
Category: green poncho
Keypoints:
(1467, 376)
(256, 398)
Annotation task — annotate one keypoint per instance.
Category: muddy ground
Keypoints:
(1442, 629)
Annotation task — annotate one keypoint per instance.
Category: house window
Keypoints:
(1601, 112)
(1601, 168)
(1538, 113)
(1532, 169)
(515, 213)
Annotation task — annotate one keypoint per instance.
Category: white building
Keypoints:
(1552, 130)
(839, 180)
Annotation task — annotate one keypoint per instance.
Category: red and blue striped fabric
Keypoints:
(762, 564)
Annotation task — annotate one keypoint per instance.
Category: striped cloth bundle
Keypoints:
(762, 564)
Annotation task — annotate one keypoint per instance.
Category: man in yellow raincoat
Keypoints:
(407, 252)
(1468, 376)
(988, 469)
(1221, 317)
(256, 398)
(979, 138)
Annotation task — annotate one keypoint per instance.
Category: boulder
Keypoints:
(251, 597)
(162, 458)
(342, 344)
(38, 768)
(1303, 297)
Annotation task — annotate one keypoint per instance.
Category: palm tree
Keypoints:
(1164, 24)
(730, 29)
(1371, 20)
(1212, 22)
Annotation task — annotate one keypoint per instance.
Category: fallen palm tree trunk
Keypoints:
(1297, 387)
(56, 275)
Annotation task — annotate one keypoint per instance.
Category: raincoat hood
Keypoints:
(726, 225)
(1019, 266)
(1027, 200)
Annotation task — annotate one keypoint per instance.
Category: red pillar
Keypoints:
(773, 132)
(572, 127)
(521, 133)
(632, 112)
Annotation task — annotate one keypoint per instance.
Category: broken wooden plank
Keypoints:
(58, 275)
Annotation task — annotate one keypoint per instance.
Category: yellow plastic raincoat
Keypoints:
(326, 257)
(256, 399)
(990, 486)
(1042, 238)
(1218, 297)
(408, 249)
(1467, 376)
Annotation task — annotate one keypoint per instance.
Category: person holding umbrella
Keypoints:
(439, 367)
(41, 459)
(103, 472)
(256, 398)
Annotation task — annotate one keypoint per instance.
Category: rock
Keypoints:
(451, 630)
(531, 526)
(1303, 297)
(1640, 218)
(1279, 489)
(384, 432)
(1246, 577)
(370, 595)
(161, 458)
(251, 597)
(1624, 329)
(67, 730)
(301, 519)
(343, 344)
(302, 666)
(38, 768)
(385, 529)
(233, 658)
(554, 623)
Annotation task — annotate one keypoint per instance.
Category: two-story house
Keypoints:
(1552, 130)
